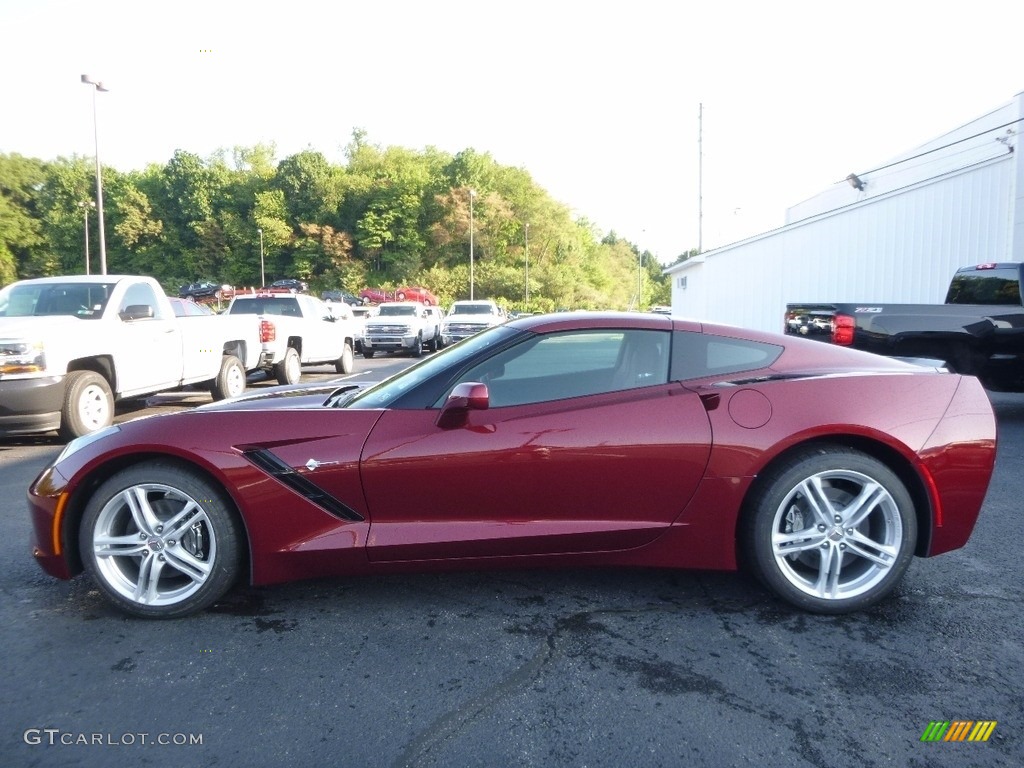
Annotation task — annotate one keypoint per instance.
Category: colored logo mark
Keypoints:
(959, 730)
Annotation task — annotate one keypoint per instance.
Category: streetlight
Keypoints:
(472, 194)
(526, 303)
(639, 277)
(85, 205)
(98, 86)
(263, 279)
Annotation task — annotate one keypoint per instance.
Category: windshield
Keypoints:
(81, 300)
(471, 309)
(396, 311)
(382, 395)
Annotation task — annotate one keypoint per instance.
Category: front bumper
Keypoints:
(30, 406)
(390, 343)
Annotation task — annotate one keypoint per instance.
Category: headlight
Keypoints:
(19, 356)
(80, 442)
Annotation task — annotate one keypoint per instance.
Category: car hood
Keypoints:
(285, 397)
(31, 327)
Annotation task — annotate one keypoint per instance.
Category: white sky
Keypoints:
(597, 100)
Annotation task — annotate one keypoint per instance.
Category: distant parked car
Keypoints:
(295, 286)
(188, 308)
(409, 293)
(202, 290)
(342, 296)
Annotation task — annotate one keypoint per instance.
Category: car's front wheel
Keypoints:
(831, 530)
(161, 541)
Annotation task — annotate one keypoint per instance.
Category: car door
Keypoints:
(586, 447)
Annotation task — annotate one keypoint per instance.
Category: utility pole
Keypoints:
(700, 179)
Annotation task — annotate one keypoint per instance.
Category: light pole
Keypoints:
(98, 86)
(472, 194)
(263, 279)
(526, 303)
(639, 277)
(85, 205)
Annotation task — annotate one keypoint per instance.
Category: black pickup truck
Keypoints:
(978, 331)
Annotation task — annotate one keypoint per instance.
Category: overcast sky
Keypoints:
(597, 100)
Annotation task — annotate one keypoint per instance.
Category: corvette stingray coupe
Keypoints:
(571, 439)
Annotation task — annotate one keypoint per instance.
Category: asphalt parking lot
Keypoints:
(531, 668)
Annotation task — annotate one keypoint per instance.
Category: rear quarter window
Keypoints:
(698, 355)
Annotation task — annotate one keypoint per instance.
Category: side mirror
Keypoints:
(466, 397)
(137, 312)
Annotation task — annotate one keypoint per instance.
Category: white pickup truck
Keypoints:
(400, 326)
(466, 318)
(296, 329)
(71, 346)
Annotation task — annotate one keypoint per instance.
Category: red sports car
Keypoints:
(567, 439)
(410, 293)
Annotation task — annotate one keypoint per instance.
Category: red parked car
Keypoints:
(409, 293)
(616, 439)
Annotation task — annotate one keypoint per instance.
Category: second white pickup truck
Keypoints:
(71, 346)
(296, 329)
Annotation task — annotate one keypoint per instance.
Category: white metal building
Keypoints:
(899, 237)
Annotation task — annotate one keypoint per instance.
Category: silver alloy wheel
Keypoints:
(93, 407)
(294, 367)
(154, 544)
(837, 534)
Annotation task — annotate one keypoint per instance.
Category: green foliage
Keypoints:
(389, 217)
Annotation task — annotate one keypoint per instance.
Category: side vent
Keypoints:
(273, 466)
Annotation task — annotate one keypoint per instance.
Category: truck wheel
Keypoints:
(367, 352)
(417, 348)
(88, 404)
(345, 363)
(401, 296)
(289, 370)
(230, 382)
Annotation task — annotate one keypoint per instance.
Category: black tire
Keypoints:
(345, 363)
(808, 542)
(432, 344)
(151, 572)
(289, 370)
(88, 404)
(230, 382)
(368, 353)
(417, 348)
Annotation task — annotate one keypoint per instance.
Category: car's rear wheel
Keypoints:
(88, 404)
(230, 382)
(161, 541)
(832, 530)
(346, 362)
(289, 370)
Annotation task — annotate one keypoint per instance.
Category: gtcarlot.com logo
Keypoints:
(959, 730)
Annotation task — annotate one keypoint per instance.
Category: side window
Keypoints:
(697, 355)
(558, 366)
(141, 294)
